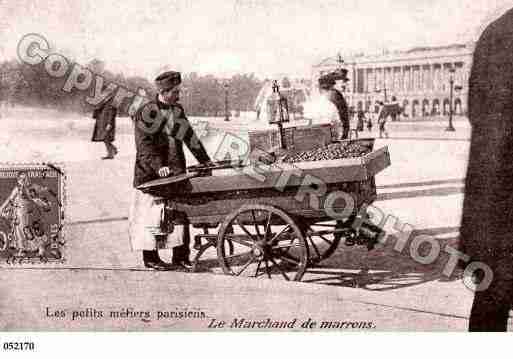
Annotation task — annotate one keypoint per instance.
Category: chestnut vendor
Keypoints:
(161, 128)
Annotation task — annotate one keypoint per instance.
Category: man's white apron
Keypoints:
(144, 223)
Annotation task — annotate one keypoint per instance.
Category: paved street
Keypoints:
(423, 187)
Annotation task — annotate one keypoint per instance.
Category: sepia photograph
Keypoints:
(255, 166)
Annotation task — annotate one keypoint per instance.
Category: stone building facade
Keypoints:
(418, 78)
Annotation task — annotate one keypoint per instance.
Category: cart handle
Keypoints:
(215, 166)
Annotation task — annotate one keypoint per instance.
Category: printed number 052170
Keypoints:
(18, 346)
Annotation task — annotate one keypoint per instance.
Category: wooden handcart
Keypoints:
(280, 220)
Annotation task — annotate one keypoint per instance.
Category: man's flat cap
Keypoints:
(168, 80)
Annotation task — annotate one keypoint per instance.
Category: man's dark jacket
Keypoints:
(486, 232)
(104, 114)
(159, 142)
(340, 103)
(487, 223)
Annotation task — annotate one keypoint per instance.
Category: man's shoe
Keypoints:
(160, 266)
(184, 264)
(109, 157)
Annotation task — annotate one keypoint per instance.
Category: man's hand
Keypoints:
(108, 127)
(164, 171)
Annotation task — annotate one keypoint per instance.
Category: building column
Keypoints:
(446, 78)
(410, 79)
(379, 77)
(431, 78)
(384, 83)
(376, 78)
(371, 80)
(355, 83)
(383, 78)
(458, 76)
(425, 71)
(420, 76)
(442, 78)
(413, 79)
(436, 78)
(354, 79)
(401, 79)
(466, 73)
(395, 78)
(391, 78)
(420, 79)
(439, 78)
(405, 80)
(362, 79)
(366, 80)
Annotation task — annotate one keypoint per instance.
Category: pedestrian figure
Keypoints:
(327, 88)
(382, 120)
(105, 126)
(369, 121)
(394, 109)
(487, 220)
(360, 120)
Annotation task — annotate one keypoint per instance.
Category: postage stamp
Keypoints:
(31, 213)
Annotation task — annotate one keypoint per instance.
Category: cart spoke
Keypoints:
(258, 268)
(290, 260)
(237, 239)
(285, 246)
(314, 246)
(243, 227)
(277, 235)
(256, 225)
(245, 266)
(267, 226)
(325, 239)
(238, 255)
(280, 269)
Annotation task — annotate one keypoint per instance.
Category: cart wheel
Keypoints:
(322, 240)
(261, 234)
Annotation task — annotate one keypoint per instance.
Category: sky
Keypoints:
(267, 37)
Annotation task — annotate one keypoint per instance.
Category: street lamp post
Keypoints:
(451, 90)
(226, 115)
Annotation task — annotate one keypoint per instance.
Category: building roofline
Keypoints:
(409, 54)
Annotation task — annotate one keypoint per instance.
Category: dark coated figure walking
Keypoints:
(105, 127)
(487, 221)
